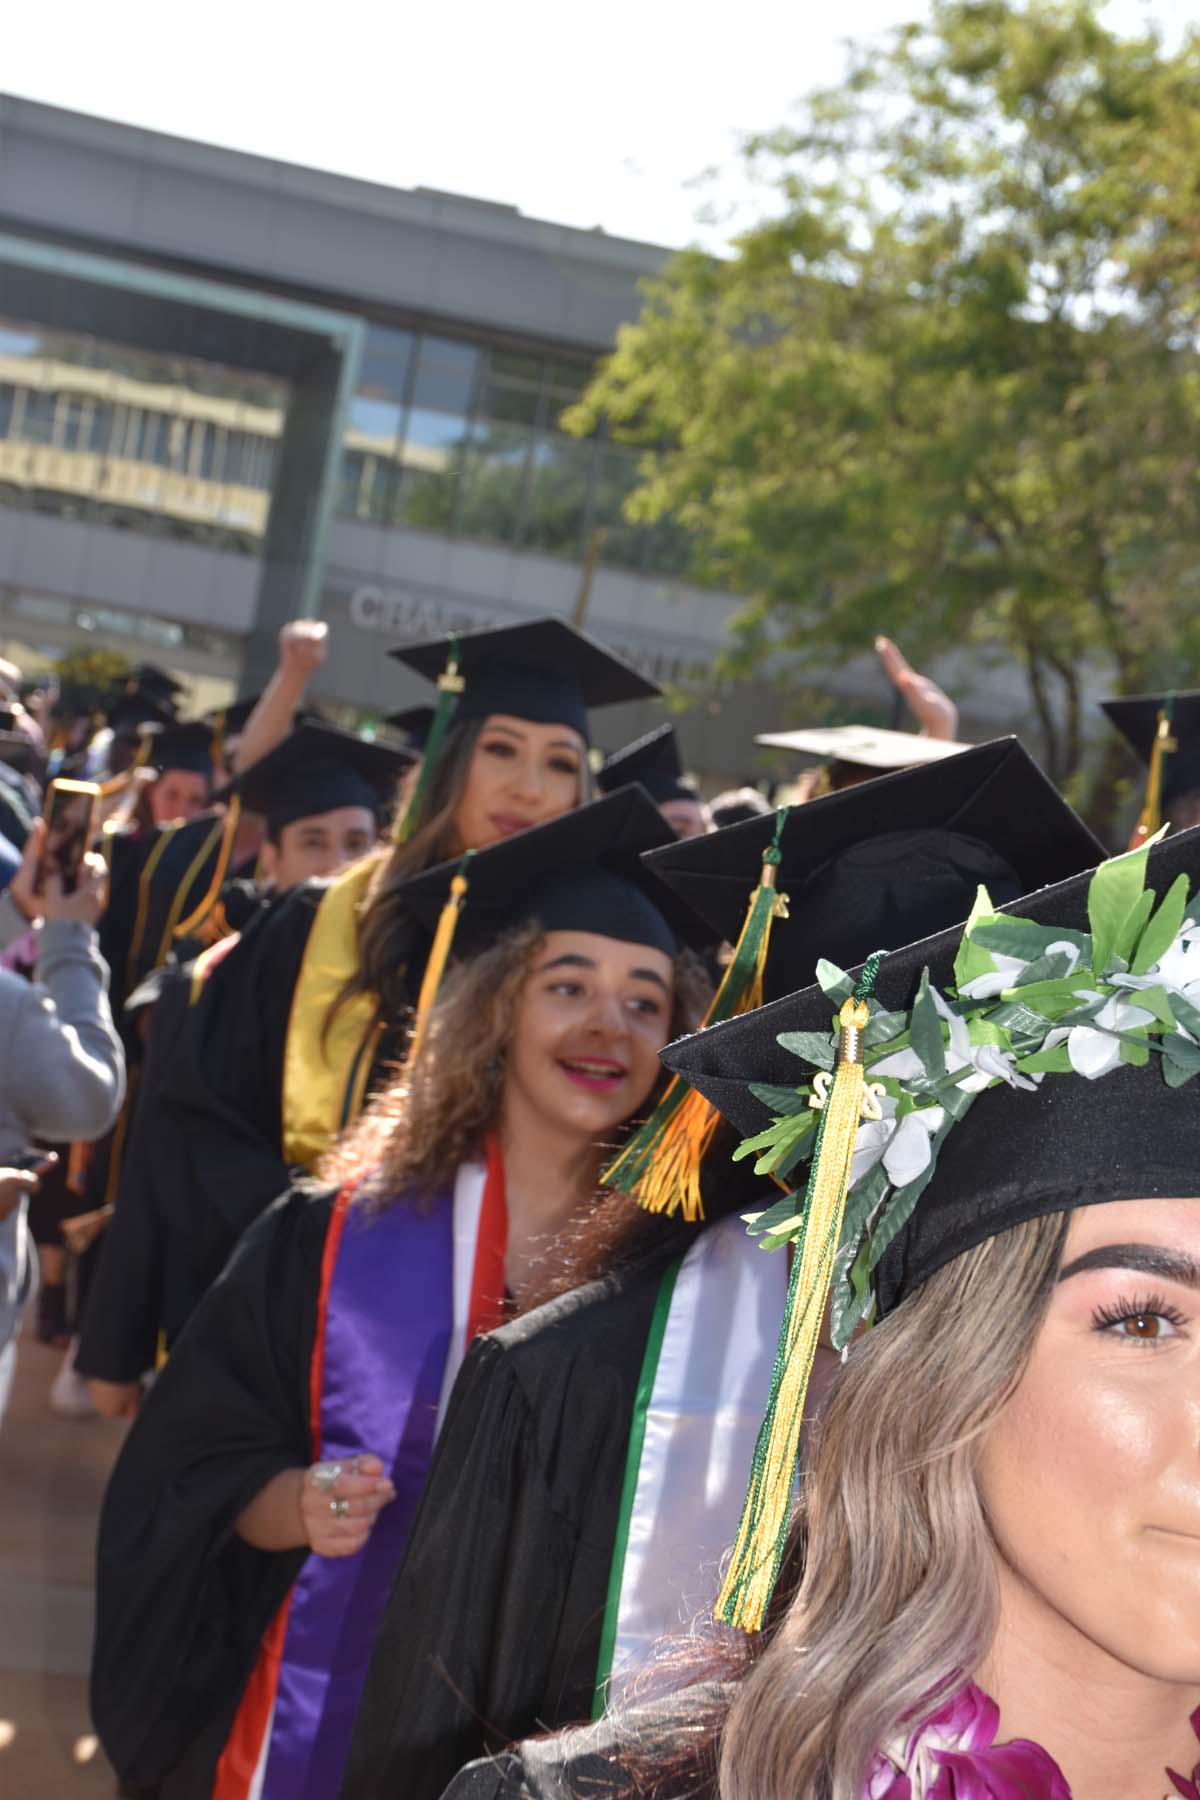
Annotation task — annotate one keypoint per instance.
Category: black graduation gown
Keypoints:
(133, 1295)
(214, 1144)
(588, 1762)
(492, 1630)
(181, 1603)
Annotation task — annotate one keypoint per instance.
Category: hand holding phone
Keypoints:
(70, 826)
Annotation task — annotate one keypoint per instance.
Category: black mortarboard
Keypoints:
(230, 720)
(317, 769)
(1018, 1154)
(187, 745)
(134, 707)
(892, 860)
(542, 670)
(580, 872)
(152, 679)
(653, 762)
(412, 723)
(1136, 718)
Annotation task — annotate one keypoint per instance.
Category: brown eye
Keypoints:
(1142, 1325)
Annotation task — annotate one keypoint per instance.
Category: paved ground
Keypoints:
(52, 1474)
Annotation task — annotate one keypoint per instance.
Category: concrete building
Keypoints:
(233, 391)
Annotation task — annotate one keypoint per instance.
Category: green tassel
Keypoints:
(450, 686)
(661, 1164)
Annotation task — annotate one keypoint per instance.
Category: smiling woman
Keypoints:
(264, 1496)
(993, 1576)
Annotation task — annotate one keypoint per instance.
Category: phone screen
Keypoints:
(70, 811)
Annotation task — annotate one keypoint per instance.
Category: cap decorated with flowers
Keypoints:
(1035, 1060)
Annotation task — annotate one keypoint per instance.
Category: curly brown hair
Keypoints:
(418, 1130)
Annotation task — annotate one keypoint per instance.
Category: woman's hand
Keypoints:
(934, 710)
(339, 1512)
(14, 1185)
(86, 905)
(116, 1399)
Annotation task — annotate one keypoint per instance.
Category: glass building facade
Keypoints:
(465, 439)
(169, 446)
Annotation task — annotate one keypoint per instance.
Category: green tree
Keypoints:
(87, 679)
(949, 388)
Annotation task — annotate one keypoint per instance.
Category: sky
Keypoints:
(586, 112)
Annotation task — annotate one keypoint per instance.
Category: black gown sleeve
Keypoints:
(492, 1630)
(181, 1602)
(212, 1152)
(119, 1337)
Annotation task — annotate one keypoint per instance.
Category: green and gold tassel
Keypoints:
(660, 1166)
(1164, 744)
(843, 1100)
(439, 956)
(450, 686)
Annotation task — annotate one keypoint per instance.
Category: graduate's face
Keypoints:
(322, 845)
(1091, 1475)
(590, 1023)
(520, 775)
(178, 794)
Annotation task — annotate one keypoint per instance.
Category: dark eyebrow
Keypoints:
(572, 959)
(555, 743)
(1147, 1259)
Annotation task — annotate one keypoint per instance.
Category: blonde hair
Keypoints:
(897, 1605)
(438, 1113)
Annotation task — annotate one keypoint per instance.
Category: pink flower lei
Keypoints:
(954, 1755)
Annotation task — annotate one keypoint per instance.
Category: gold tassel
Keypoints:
(439, 956)
(843, 1100)
(660, 1167)
(1165, 743)
(229, 830)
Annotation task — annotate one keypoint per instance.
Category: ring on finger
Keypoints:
(339, 1506)
(324, 1475)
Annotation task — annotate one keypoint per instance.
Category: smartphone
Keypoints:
(70, 813)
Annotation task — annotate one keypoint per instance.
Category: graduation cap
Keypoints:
(228, 721)
(317, 769)
(542, 670)
(413, 724)
(134, 707)
(1163, 730)
(877, 865)
(1036, 1082)
(863, 749)
(653, 762)
(888, 861)
(185, 745)
(149, 678)
(580, 872)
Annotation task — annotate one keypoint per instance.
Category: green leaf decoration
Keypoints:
(815, 1047)
(779, 1146)
(1181, 1059)
(1161, 930)
(884, 1026)
(1021, 1021)
(1021, 937)
(1114, 891)
(972, 959)
(1135, 1052)
(1046, 1062)
(1134, 926)
(1185, 1014)
(899, 1209)
(775, 1215)
(1155, 1000)
(834, 981)
(781, 1102)
(850, 1297)
(926, 1031)
(1046, 968)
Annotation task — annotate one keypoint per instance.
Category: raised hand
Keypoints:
(932, 708)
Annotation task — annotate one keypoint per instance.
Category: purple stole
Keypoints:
(383, 1334)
